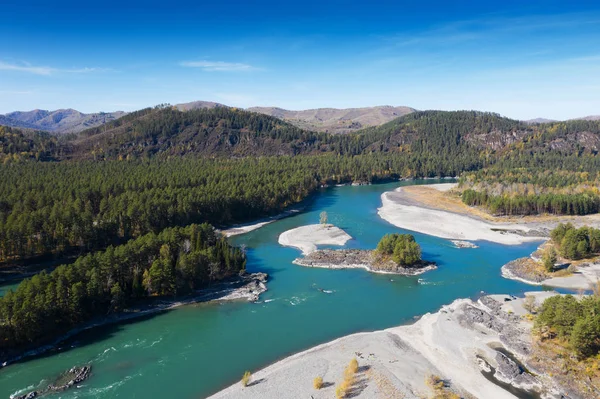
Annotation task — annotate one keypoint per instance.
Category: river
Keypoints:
(193, 351)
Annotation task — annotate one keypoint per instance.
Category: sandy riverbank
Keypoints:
(458, 343)
(247, 287)
(402, 211)
(585, 276)
(306, 238)
(246, 228)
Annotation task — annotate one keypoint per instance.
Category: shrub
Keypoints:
(318, 382)
(246, 378)
(438, 386)
(353, 366)
(323, 218)
(402, 248)
(340, 392)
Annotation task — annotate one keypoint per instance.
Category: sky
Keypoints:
(521, 59)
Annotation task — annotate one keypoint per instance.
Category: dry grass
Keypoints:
(446, 201)
(554, 358)
(385, 387)
(450, 201)
(440, 388)
(347, 384)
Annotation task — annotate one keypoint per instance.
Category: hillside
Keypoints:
(218, 131)
(460, 138)
(333, 120)
(446, 137)
(466, 140)
(18, 145)
(59, 121)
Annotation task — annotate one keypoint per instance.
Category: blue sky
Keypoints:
(522, 59)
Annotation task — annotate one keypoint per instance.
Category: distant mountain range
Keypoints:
(59, 121)
(210, 130)
(333, 120)
(328, 120)
(544, 120)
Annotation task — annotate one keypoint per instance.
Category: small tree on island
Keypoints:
(323, 218)
(402, 248)
(549, 258)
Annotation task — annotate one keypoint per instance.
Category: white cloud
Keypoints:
(218, 66)
(45, 70)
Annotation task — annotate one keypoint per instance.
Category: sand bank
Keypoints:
(456, 343)
(404, 213)
(584, 278)
(306, 238)
(580, 275)
(246, 228)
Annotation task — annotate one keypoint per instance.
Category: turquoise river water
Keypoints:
(195, 350)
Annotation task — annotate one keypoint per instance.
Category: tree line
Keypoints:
(177, 261)
(534, 204)
(65, 207)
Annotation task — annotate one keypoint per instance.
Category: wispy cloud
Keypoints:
(16, 92)
(218, 66)
(491, 26)
(45, 70)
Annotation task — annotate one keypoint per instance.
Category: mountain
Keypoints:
(539, 120)
(333, 120)
(6, 121)
(230, 132)
(462, 139)
(59, 121)
(198, 105)
(590, 118)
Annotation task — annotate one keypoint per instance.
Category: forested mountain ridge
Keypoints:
(166, 131)
(223, 131)
(470, 139)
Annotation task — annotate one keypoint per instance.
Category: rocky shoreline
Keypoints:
(76, 375)
(581, 275)
(524, 270)
(480, 349)
(248, 286)
(463, 244)
(360, 259)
